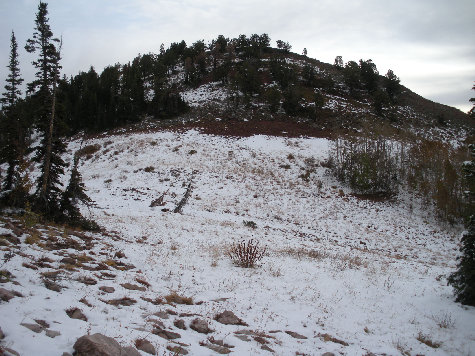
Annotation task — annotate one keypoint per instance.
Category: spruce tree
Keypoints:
(44, 87)
(472, 110)
(75, 193)
(463, 280)
(12, 126)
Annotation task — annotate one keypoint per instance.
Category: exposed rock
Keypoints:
(161, 314)
(107, 289)
(6, 276)
(156, 301)
(33, 327)
(180, 324)
(42, 323)
(260, 340)
(66, 354)
(131, 286)
(228, 318)
(328, 354)
(16, 230)
(157, 323)
(52, 333)
(267, 348)
(84, 301)
(76, 313)
(244, 332)
(167, 335)
(219, 349)
(296, 335)
(6, 295)
(9, 352)
(126, 301)
(49, 284)
(243, 337)
(87, 280)
(10, 238)
(119, 254)
(219, 342)
(68, 261)
(2, 335)
(101, 345)
(200, 325)
(177, 350)
(145, 346)
(328, 337)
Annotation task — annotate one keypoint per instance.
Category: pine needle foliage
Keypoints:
(74, 194)
(463, 279)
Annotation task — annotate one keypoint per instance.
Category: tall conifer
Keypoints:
(44, 87)
(13, 147)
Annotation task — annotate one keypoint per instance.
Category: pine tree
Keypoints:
(74, 194)
(391, 84)
(13, 146)
(44, 87)
(472, 110)
(463, 280)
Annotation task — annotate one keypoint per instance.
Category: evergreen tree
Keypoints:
(338, 62)
(369, 75)
(44, 89)
(74, 194)
(13, 145)
(472, 110)
(463, 280)
(391, 84)
(351, 76)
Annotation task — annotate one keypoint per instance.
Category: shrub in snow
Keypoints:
(246, 254)
(367, 166)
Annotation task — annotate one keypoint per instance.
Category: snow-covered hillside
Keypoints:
(340, 274)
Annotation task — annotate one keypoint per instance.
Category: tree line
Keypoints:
(40, 111)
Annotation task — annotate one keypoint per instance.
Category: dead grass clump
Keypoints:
(142, 282)
(178, 299)
(328, 337)
(353, 262)
(303, 253)
(426, 340)
(444, 321)
(33, 237)
(246, 254)
(88, 150)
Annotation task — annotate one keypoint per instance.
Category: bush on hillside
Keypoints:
(367, 166)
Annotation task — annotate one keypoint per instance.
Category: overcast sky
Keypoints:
(429, 44)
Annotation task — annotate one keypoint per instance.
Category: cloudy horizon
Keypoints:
(428, 44)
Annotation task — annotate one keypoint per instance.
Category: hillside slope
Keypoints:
(340, 274)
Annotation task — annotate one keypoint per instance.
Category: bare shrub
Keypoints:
(444, 321)
(367, 166)
(174, 297)
(246, 254)
(427, 341)
(88, 150)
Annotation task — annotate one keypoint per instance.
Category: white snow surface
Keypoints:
(371, 274)
(212, 92)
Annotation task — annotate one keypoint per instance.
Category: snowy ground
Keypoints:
(354, 277)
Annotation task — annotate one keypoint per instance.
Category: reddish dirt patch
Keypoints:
(250, 128)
